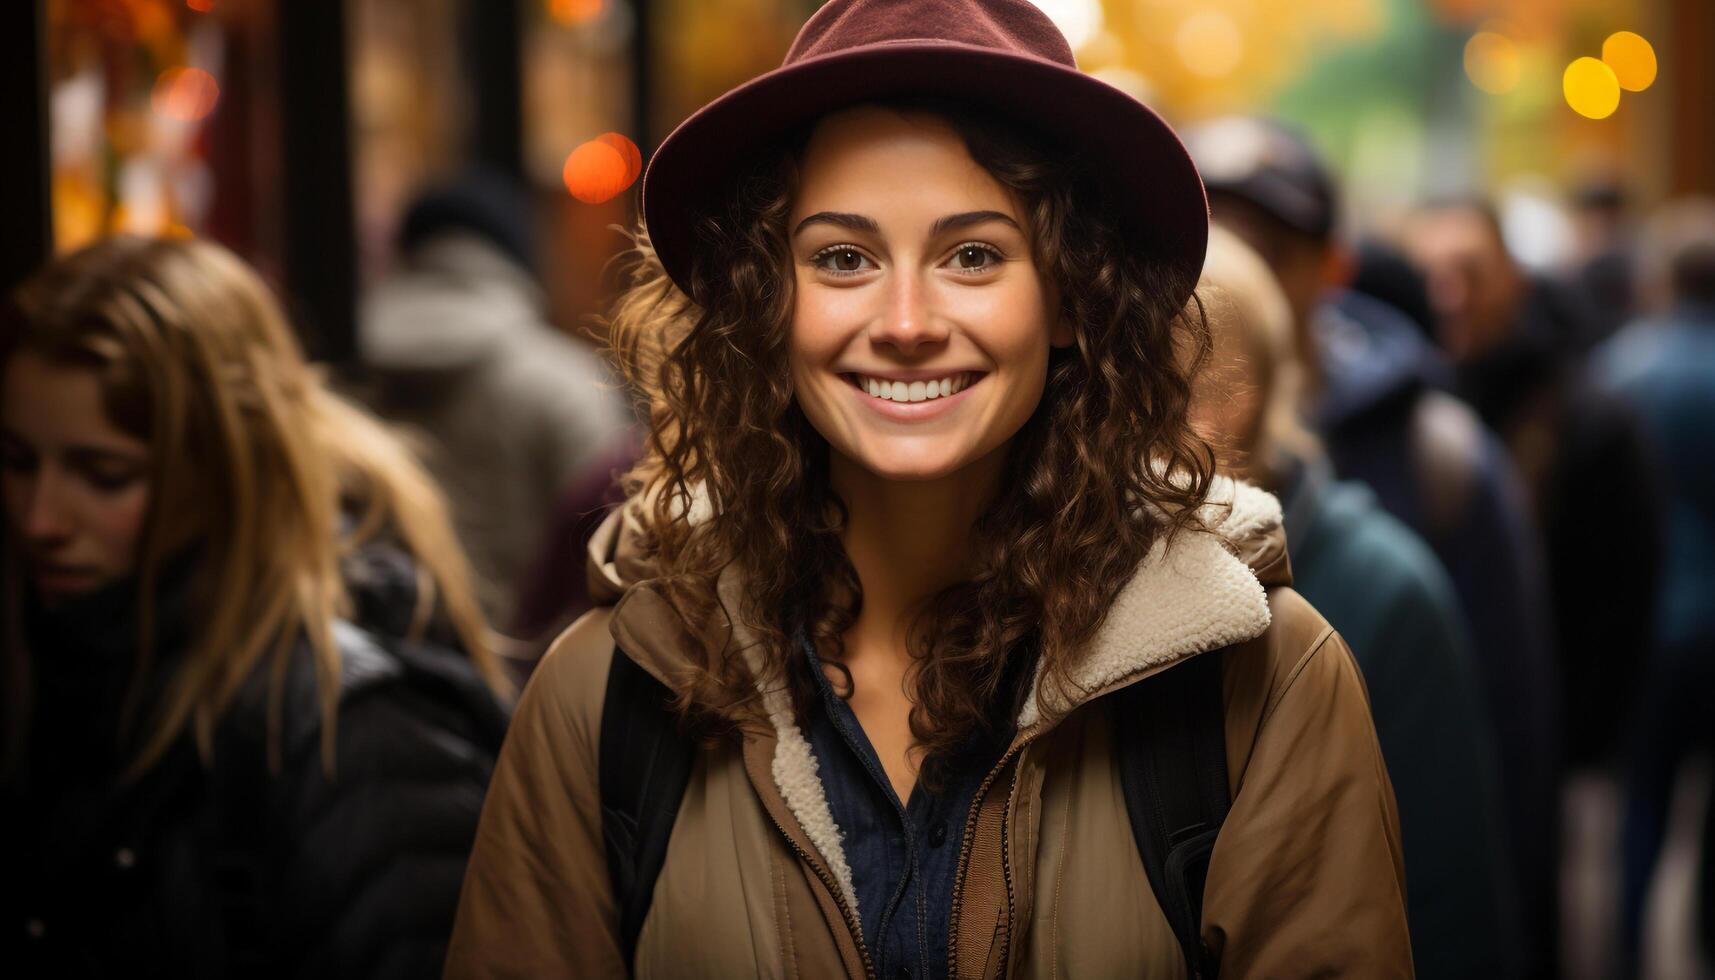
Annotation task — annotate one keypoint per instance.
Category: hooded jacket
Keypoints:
(1435, 467)
(1305, 879)
(458, 341)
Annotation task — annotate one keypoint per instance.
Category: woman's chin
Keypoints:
(905, 466)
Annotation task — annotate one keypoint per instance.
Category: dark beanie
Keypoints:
(479, 201)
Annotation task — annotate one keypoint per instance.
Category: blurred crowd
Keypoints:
(1498, 485)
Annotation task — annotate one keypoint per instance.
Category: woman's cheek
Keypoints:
(121, 522)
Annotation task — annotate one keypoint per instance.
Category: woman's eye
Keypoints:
(113, 483)
(112, 480)
(842, 261)
(973, 258)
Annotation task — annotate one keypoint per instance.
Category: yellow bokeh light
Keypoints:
(1492, 62)
(1592, 89)
(1632, 59)
(1210, 44)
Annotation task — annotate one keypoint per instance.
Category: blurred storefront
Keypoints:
(297, 132)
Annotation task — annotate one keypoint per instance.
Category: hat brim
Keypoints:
(1152, 181)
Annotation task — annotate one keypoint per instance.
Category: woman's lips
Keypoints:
(62, 578)
(909, 411)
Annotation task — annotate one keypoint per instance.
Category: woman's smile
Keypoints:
(908, 398)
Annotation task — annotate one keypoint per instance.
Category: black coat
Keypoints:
(229, 870)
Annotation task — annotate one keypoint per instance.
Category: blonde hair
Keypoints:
(248, 445)
(1248, 310)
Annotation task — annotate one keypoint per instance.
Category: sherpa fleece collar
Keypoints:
(1186, 598)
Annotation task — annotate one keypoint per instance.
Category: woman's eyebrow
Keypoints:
(102, 455)
(967, 218)
(855, 222)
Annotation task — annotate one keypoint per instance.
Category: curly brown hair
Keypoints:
(735, 480)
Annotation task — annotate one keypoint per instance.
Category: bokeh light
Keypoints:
(1492, 62)
(598, 171)
(185, 94)
(200, 6)
(1210, 44)
(1592, 89)
(1632, 59)
(628, 150)
(575, 11)
(1079, 20)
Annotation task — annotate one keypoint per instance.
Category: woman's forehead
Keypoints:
(53, 405)
(875, 158)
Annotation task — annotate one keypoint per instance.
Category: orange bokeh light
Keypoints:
(575, 11)
(200, 6)
(1632, 58)
(597, 171)
(628, 150)
(185, 94)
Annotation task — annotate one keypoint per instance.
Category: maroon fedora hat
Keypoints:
(1005, 56)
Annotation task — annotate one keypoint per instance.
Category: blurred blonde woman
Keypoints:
(251, 704)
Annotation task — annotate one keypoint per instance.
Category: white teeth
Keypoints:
(914, 391)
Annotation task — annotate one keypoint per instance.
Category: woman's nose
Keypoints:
(43, 515)
(909, 322)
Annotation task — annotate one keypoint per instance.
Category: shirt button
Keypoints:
(938, 834)
(34, 927)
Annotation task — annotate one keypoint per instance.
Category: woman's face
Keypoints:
(921, 324)
(76, 489)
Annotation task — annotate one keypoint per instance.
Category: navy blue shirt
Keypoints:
(903, 857)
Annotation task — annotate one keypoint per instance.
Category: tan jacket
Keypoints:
(1305, 879)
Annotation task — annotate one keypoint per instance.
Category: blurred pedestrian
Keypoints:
(974, 667)
(251, 707)
(1664, 367)
(1604, 272)
(516, 412)
(1580, 450)
(1374, 395)
(1386, 593)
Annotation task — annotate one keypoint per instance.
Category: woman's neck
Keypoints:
(907, 542)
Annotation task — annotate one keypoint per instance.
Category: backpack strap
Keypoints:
(645, 766)
(1173, 767)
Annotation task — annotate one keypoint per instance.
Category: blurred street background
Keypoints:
(302, 133)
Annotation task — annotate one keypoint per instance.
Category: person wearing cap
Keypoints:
(456, 344)
(921, 509)
(1375, 395)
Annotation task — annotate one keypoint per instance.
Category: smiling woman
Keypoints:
(921, 514)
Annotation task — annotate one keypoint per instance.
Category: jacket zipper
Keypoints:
(1005, 863)
(833, 887)
(1006, 823)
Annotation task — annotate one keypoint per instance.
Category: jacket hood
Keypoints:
(1372, 356)
(448, 308)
